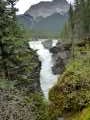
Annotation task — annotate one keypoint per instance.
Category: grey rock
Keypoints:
(45, 17)
(61, 54)
(45, 9)
(47, 44)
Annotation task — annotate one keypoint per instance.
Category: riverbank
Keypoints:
(71, 95)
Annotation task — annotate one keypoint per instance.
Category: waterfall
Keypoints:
(47, 78)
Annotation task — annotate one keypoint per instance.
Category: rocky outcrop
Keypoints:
(61, 53)
(47, 44)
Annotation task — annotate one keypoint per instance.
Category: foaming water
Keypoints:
(47, 78)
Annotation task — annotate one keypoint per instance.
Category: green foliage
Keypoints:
(8, 36)
(66, 32)
(79, 21)
(5, 84)
(44, 34)
(15, 54)
(39, 106)
(72, 91)
(82, 19)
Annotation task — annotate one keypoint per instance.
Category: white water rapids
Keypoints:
(47, 78)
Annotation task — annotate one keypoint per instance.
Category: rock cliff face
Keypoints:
(61, 54)
(45, 9)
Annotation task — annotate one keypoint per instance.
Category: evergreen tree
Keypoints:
(71, 20)
(79, 19)
(86, 18)
(82, 18)
(8, 33)
(65, 34)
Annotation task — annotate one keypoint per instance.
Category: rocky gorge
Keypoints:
(31, 83)
(54, 56)
(61, 52)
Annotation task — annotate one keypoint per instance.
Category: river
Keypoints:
(47, 78)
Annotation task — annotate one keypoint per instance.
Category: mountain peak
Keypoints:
(45, 9)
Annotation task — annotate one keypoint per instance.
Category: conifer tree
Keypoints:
(71, 20)
(7, 36)
(82, 18)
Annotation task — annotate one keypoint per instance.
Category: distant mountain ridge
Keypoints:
(25, 20)
(53, 23)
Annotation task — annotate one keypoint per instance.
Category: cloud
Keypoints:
(24, 5)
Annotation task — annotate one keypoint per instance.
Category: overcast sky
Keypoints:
(24, 5)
